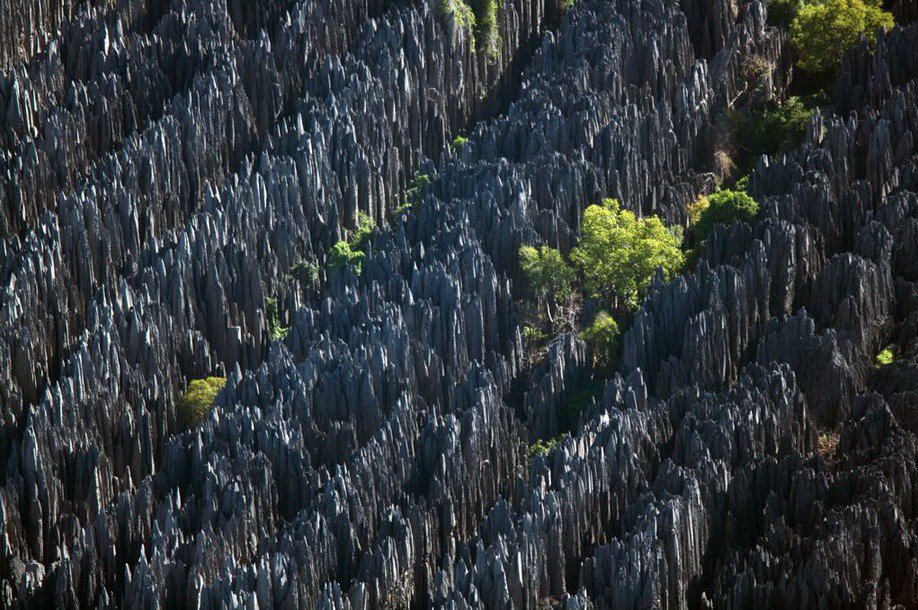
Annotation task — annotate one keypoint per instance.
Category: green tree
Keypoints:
(824, 30)
(602, 338)
(722, 207)
(549, 276)
(619, 253)
(547, 272)
(198, 401)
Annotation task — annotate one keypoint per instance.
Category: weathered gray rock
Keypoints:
(166, 168)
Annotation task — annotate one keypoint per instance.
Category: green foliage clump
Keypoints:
(602, 338)
(619, 253)
(305, 272)
(885, 357)
(458, 143)
(533, 334)
(416, 191)
(277, 332)
(823, 30)
(488, 29)
(461, 12)
(351, 252)
(722, 207)
(547, 272)
(198, 401)
(771, 130)
(544, 447)
(342, 254)
(365, 228)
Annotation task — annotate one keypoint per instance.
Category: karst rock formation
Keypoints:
(167, 166)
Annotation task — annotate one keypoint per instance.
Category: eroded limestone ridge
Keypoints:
(177, 178)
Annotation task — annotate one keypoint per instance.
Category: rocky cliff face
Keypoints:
(167, 167)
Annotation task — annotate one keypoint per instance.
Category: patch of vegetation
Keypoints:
(885, 358)
(342, 254)
(552, 308)
(823, 30)
(547, 273)
(771, 130)
(619, 254)
(461, 12)
(417, 189)
(602, 338)
(351, 252)
(544, 447)
(533, 334)
(488, 28)
(827, 444)
(198, 401)
(365, 228)
(275, 329)
(305, 272)
(458, 144)
(721, 207)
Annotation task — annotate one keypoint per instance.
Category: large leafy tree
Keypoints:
(824, 30)
(619, 253)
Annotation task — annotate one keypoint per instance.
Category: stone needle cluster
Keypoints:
(261, 311)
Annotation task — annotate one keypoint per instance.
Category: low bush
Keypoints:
(458, 143)
(198, 401)
(722, 207)
(885, 357)
(544, 447)
(342, 254)
(602, 338)
(772, 130)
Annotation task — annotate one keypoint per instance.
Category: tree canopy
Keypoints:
(824, 30)
(547, 272)
(619, 253)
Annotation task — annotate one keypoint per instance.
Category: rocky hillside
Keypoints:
(176, 180)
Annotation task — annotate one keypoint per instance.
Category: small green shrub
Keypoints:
(277, 332)
(544, 447)
(365, 228)
(722, 207)
(198, 401)
(618, 254)
(458, 144)
(416, 191)
(885, 357)
(341, 255)
(770, 131)
(823, 30)
(533, 334)
(602, 338)
(305, 272)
